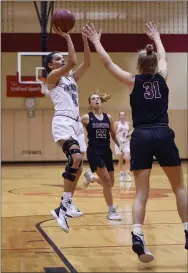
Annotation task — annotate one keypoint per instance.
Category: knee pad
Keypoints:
(67, 145)
(70, 173)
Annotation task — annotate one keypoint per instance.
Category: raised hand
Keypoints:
(152, 31)
(60, 32)
(90, 32)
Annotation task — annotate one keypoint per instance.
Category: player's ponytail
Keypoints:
(147, 62)
(105, 97)
(149, 49)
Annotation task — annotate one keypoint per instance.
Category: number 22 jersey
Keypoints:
(98, 132)
(149, 100)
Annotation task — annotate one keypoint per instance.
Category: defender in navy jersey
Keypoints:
(99, 127)
(152, 135)
(67, 129)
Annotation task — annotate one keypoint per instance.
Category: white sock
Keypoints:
(137, 229)
(185, 226)
(66, 196)
(110, 207)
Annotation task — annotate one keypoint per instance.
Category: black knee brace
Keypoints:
(67, 145)
(70, 173)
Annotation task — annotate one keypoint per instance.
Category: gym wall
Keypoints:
(21, 32)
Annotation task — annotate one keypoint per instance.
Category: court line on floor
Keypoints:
(127, 246)
(55, 248)
(89, 213)
(111, 225)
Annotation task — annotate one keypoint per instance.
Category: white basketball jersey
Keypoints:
(65, 97)
(122, 130)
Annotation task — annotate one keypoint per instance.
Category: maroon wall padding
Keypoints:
(17, 42)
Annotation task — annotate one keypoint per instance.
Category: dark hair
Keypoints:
(48, 60)
(149, 49)
(147, 60)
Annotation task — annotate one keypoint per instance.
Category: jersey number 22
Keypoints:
(101, 133)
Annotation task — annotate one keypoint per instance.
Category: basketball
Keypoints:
(64, 19)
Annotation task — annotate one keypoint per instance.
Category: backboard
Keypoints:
(37, 67)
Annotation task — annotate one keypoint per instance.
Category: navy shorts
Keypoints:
(100, 159)
(147, 142)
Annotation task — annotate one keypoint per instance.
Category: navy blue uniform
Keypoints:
(152, 135)
(99, 153)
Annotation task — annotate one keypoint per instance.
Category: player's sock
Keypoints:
(138, 229)
(185, 226)
(66, 196)
(186, 234)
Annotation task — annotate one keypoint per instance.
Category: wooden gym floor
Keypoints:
(33, 242)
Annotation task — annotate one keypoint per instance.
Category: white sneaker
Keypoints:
(121, 177)
(76, 211)
(71, 209)
(59, 216)
(87, 180)
(113, 215)
(122, 185)
(139, 247)
(128, 177)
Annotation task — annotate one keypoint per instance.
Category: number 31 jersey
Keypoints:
(65, 97)
(149, 100)
(98, 131)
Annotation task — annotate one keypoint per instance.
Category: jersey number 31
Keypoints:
(151, 90)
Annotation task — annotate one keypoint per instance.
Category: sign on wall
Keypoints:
(17, 89)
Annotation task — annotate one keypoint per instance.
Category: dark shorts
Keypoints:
(100, 159)
(153, 141)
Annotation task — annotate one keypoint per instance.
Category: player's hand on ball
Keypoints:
(90, 32)
(152, 31)
(60, 32)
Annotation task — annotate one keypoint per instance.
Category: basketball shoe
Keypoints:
(60, 216)
(139, 247)
(113, 215)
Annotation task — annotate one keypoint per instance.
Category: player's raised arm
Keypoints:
(121, 75)
(79, 72)
(153, 33)
(56, 74)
